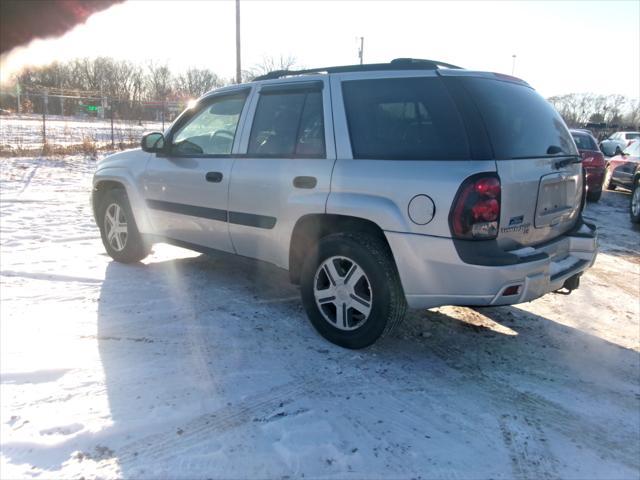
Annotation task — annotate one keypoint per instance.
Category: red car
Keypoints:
(592, 161)
(621, 168)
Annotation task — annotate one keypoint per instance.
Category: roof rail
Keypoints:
(395, 64)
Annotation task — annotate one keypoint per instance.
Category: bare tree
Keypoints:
(159, 81)
(194, 82)
(270, 64)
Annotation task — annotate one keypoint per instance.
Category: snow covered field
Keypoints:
(190, 366)
(25, 132)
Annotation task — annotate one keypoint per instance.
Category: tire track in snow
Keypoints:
(201, 429)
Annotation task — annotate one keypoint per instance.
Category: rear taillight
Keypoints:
(592, 159)
(598, 160)
(475, 213)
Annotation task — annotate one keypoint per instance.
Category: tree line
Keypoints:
(128, 85)
(125, 84)
(606, 111)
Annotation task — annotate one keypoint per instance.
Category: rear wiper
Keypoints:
(567, 161)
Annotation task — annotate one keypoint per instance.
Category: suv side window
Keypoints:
(210, 131)
(288, 124)
(403, 119)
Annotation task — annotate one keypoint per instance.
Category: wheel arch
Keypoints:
(106, 180)
(309, 229)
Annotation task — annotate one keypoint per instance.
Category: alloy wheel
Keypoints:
(115, 227)
(343, 293)
(635, 201)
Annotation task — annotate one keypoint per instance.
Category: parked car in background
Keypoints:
(634, 204)
(621, 169)
(592, 161)
(617, 142)
(4, 111)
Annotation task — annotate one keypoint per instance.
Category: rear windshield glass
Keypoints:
(403, 119)
(520, 123)
(584, 141)
(632, 136)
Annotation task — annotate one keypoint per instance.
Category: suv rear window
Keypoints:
(584, 141)
(403, 119)
(520, 123)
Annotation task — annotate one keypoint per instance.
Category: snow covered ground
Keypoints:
(190, 366)
(25, 132)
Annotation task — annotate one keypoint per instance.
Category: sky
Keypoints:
(560, 47)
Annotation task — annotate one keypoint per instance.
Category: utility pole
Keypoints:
(111, 112)
(18, 91)
(238, 66)
(361, 50)
(513, 65)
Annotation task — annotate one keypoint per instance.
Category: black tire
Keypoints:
(388, 304)
(135, 248)
(607, 183)
(594, 196)
(635, 193)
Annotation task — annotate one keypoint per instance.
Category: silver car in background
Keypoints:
(378, 187)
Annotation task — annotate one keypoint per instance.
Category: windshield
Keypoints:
(633, 149)
(520, 123)
(584, 141)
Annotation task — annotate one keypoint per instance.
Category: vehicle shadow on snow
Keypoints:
(196, 349)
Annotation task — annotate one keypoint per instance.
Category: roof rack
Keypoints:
(395, 64)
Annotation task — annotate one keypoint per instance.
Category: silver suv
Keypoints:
(378, 187)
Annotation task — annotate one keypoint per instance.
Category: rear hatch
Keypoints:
(536, 159)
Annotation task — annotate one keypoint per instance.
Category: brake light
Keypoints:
(475, 213)
(592, 159)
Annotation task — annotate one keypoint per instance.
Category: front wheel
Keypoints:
(351, 290)
(118, 229)
(634, 208)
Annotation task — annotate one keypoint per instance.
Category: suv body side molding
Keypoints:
(239, 218)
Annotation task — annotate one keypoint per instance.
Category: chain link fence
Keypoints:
(63, 122)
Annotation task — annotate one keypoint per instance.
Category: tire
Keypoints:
(634, 204)
(126, 246)
(376, 283)
(608, 183)
(594, 196)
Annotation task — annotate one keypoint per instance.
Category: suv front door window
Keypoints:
(187, 188)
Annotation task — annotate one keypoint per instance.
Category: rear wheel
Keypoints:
(594, 196)
(118, 229)
(351, 290)
(634, 208)
(608, 183)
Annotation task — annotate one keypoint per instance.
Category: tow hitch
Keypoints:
(570, 284)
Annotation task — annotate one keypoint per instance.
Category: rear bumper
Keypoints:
(433, 274)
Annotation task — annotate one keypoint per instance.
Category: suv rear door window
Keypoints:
(520, 123)
(403, 119)
(288, 124)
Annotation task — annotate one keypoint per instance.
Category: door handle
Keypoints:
(213, 177)
(305, 182)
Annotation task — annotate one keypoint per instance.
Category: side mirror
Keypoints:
(152, 142)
